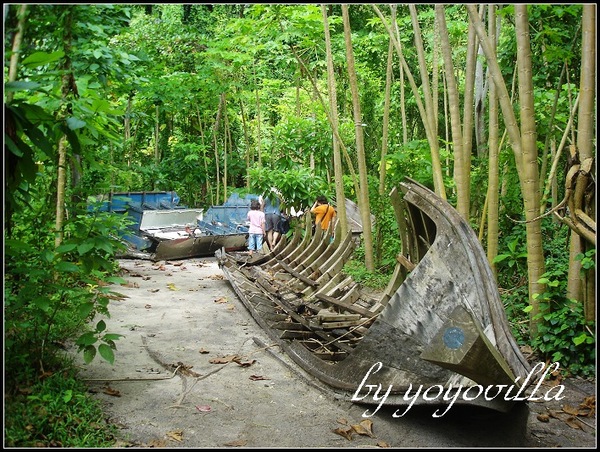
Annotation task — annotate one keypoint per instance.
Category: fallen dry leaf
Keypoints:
(221, 300)
(204, 408)
(203, 351)
(588, 406)
(176, 435)
(112, 392)
(239, 362)
(553, 414)
(571, 410)
(131, 284)
(223, 359)
(258, 377)
(345, 432)
(153, 290)
(365, 427)
(236, 443)
(172, 286)
(573, 423)
(342, 421)
(383, 444)
(148, 306)
(543, 417)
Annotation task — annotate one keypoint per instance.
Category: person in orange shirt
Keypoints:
(323, 212)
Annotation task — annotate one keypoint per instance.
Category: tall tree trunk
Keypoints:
(156, 133)
(493, 168)
(430, 117)
(204, 157)
(216, 146)
(461, 177)
(337, 157)
(530, 182)
(258, 124)
(432, 139)
(246, 142)
(584, 196)
(331, 121)
(68, 91)
(9, 126)
(365, 210)
(227, 144)
(386, 118)
(16, 47)
(525, 155)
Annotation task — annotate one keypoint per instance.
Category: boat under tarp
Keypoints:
(163, 229)
(439, 323)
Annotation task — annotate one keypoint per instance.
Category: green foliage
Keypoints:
(515, 257)
(412, 160)
(182, 170)
(563, 334)
(356, 268)
(588, 260)
(55, 412)
(52, 293)
(299, 186)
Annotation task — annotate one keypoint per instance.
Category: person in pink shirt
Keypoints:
(256, 218)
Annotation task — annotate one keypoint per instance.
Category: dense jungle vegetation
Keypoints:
(491, 106)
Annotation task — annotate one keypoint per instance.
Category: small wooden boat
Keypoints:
(439, 324)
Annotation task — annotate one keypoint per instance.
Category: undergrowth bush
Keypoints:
(55, 411)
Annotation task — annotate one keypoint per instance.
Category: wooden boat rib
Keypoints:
(439, 321)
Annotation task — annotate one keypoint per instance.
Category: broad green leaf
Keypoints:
(41, 58)
(85, 310)
(100, 326)
(67, 267)
(107, 353)
(89, 354)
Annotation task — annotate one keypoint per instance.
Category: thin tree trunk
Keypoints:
(461, 177)
(258, 124)
(530, 182)
(68, 89)
(204, 158)
(216, 146)
(337, 157)
(438, 181)
(156, 134)
(365, 210)
(386, 118)
(16, 47)
(430, 117)
(525, 156)
(584, 201)
(492, 197)
(331, 122)
(246, 143)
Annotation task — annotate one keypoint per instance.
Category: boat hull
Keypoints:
(439, 323)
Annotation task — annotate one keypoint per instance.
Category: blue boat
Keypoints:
(163, 229)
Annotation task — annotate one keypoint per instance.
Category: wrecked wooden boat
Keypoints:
(437, 330)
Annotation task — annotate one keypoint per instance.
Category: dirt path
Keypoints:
(194, 370)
